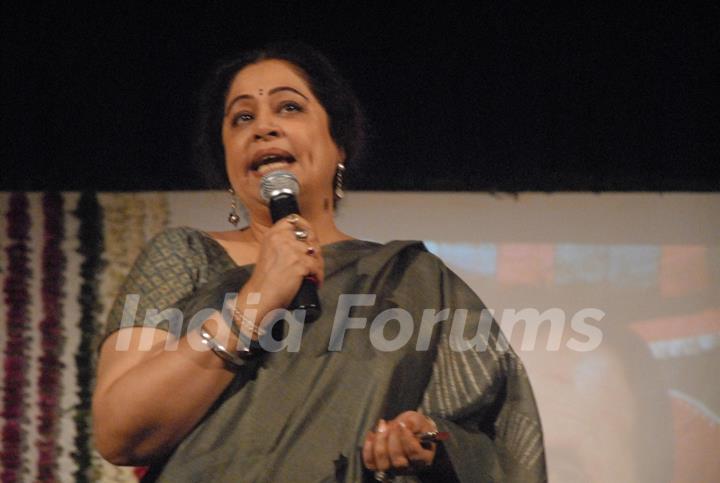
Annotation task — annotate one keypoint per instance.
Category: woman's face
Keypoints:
(274, 122)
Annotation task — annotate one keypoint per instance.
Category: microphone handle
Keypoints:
(306, 298)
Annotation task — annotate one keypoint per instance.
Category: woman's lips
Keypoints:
(269, 156)
(273, 166)
(270, 159)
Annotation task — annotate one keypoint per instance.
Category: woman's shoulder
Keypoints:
(182, 234)
(175, 233)
(399, 252)
(175, 238)
(416, 247)
(185, 241)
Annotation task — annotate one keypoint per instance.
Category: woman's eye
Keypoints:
(242, 117)
(290, 107)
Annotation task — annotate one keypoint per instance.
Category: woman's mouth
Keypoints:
(273, 165)
(266, 162)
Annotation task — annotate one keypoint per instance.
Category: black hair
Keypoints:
(345, 116)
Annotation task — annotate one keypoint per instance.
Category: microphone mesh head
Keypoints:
(278, 182)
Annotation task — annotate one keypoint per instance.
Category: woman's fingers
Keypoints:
(395, 450)
(306, 243)
(417, 456)
(289, 251)
(380, 447)
(395, 444)
(413, 423)
(416, 422)
(368, 451)
(302, 230)
(309, 248)
(309, 265)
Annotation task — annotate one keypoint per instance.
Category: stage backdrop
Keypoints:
(612, 301)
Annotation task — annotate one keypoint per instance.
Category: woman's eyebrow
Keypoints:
(272, 91)
(238, 98)
(287, 88)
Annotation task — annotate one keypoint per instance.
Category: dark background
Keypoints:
(496, 96)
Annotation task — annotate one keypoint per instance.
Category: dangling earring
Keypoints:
(233, 217)
(339, 193)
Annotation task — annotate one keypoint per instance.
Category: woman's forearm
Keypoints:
(145, 404)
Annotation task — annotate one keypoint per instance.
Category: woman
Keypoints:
(336, 409)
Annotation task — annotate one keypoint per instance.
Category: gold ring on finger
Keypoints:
(301, 235)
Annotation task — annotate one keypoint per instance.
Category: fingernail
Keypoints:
(382, 426)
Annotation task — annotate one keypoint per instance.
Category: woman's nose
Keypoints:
(266, 133)
(266, 128)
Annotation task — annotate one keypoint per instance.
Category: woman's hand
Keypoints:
(283, 262)
(394, 445)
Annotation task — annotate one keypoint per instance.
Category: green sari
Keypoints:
(303, 416)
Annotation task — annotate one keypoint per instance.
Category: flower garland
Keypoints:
(51, 335)
(124, 238)
(90, 234)
(157, 213)
(17, 298)
(122, 219)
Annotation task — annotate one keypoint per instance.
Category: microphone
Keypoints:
(279, 189)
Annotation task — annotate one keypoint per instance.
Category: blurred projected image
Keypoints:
(638, 406)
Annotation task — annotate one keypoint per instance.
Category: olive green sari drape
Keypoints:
(302, 416)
